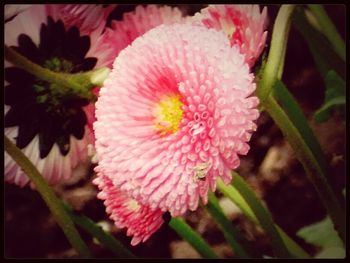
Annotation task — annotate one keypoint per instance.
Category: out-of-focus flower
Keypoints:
(53, 130)
(136, 23)
(141, 221)
(244, 25)
(13, 10)
(173, 115)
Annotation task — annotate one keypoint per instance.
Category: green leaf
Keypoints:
(292, 122)
(48, 195)
(329, 29)
(335, 96)
(297, 117)
(96, 231)
(234, 195)
(332, 252)
(322, 51)
(234, 237)
(322, 234)
(192, 237)
(263, 216)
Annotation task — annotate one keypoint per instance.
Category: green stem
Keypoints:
(321, 49)
(292, 132)
(79, 83)
(98, 76)
(233, 194)
(188, 234)
(49, 197)
(233, 236)
(283, 57)
(278, 45)
(263, 217)
(307, 158)
(297, 117)
(96, 231)
(329, 29)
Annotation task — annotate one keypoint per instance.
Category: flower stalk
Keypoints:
(79, 83)
(49, 197)
(263, 216)
(313, 169)
(305, 149)
(96, 231)
(188, 234)
(329, 29)
(274, 66)
(323, 53)
(233, 237)
(231, 192)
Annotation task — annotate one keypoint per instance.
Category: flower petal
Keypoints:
(243, 24)
(141, 221)
(173, 64)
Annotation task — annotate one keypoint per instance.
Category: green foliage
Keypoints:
(234, 237)
(234, 195)
(294, 126)
(263, 216)
(106, 239)
(192, 237)
(297, 117)
(334, 98)
(322, 51)
(329, 30)
(51, 200)
(323, 235)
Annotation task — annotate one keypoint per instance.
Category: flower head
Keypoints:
(52, 130)
(136, 23)
(141, 222)
(244, 25)
(173, 115)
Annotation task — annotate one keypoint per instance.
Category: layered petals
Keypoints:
(136, 23)
(244, 25)
(55, 167)
(85, 23)
(173, 115)
(141, 221)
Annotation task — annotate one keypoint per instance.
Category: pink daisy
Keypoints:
(244, 25)
(13, 10)
(141, 221)
(136, 23)
(173, 115)
(53, 132)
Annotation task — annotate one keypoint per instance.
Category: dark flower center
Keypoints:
(58, 65)
(36, 107)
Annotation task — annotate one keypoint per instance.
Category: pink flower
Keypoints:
(13, 10)
(141, 222)
(173, 115)
(136, 23)
(243, 24)
(54, 136)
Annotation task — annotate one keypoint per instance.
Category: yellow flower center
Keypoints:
(168, 114)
